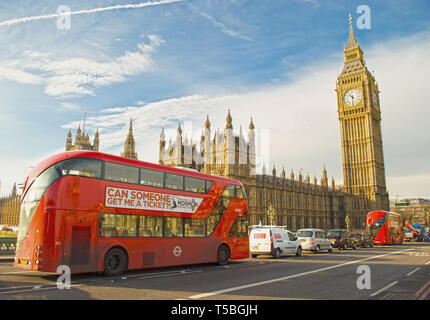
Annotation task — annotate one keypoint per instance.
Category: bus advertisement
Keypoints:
(384, 227)
(96, 212)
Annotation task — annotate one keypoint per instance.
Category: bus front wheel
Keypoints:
(223, 255)
(115, 262)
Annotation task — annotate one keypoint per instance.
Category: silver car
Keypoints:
(314, 240)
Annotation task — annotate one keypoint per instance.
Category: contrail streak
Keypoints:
(56, 15)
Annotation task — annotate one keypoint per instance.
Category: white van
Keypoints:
(314, 240)
(273, 240)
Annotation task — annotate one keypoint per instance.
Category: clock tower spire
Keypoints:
(360, 125)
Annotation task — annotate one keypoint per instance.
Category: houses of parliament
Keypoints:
(286, 199)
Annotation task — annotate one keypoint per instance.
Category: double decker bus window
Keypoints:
(32, 199)
(150, 226)
(194, 185)
(151, 178)
(229, 191)
(117, 225)
(208, 185)
(120, 172)
(239, 192)
(107, 228)
(244, 192)
(194, 227)
(215, 216)
(85, 167)
(174, 181)
(41, 183)
(239, 228)
(173, 227)
(127, 226)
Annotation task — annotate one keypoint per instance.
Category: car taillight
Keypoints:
(340, 240)
(312, 242)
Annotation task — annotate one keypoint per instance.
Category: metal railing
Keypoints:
(7, 246)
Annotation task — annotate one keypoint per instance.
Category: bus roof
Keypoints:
(383, 211)
(40, 167)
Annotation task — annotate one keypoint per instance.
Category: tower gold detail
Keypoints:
(360, 125)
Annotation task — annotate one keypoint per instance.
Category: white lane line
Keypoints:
(154, 273)
(170, 274)
(243, 265)
(412, 272)
(246, 286)
(39, 288)
(384, 288)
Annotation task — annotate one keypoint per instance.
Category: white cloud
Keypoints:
(302, 116)
(76, 77)
(12, 22)
(217, 24)
(13, 74)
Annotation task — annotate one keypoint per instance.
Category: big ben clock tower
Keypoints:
(360, 124)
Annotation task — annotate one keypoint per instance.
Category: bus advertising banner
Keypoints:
(147, 200)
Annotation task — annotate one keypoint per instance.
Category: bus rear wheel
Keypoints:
(114, 262)
(223, 255)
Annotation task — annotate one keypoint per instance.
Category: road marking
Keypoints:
(169, 274)
(384, 288)
(425, 294)
(150, 274)
(412, 272)
(39, 288)
(428, 262)
(418, 293)
(250, 264)
(246, 286)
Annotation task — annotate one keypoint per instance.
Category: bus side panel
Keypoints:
(153, 252)
(381, 238)
(79, 193)
(190, 250)
(239, 248)
(79, 239)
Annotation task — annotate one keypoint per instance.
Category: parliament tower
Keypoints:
(360, 125)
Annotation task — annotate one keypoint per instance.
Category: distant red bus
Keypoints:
(384, 227)
(98, 212)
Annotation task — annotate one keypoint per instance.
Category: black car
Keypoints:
(341, 238)
(362, 240)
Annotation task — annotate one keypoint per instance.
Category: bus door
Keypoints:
(79, 241)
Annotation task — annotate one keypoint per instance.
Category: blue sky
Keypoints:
(204, 56)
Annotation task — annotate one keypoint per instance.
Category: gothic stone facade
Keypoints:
(9, 208)
(297, 203)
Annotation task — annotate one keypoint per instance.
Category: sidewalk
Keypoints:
(10, 258)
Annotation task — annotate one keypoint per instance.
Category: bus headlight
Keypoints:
(37, 261)
(38, 247)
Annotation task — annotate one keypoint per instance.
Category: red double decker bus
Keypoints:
(97, 212)
(384, 227)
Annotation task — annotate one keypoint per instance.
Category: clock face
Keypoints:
(352, 97)
(375, 98)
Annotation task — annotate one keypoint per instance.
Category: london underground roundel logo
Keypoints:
(177, 251)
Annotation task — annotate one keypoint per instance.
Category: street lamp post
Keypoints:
(271, 213)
